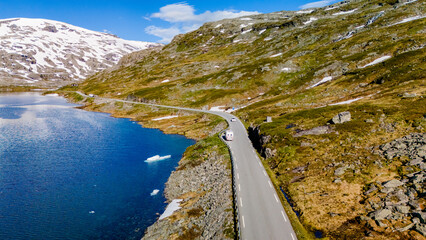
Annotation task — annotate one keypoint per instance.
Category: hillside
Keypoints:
(364, 59)
(49, 53)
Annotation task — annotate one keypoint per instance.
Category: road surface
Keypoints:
(261, 214)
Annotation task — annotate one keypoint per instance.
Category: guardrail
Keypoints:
(234, 190)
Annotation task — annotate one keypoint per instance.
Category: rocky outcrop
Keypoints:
(207, 206)
(341, 118)
(399, 204)
(259, 140)
(413, 146)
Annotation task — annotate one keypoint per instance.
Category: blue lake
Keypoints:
(66, 173)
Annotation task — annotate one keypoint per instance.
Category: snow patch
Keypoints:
(346, 102)
(171, 208)
(324, 80)
(409, 19)
(312, 19)
(276, 55)
(218, 26)
(262, 31)
(286, 69)
(246, 19)
(165, 81)
(166, 117)
(246, 31)
(409, 2)
(379, 60)
(347, 12)
(267, 39)
(304, 11)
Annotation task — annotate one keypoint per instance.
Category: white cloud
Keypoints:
(317, 4)
(166, 34)
(185, 20)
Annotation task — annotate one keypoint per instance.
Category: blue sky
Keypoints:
(153, 21)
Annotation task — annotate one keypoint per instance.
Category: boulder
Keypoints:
(341, 118)
(403, 209)
(382, 214)
(420, 215)
(393, 183)
(421, 228)
(340, 171)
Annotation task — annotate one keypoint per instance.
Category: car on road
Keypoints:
(233, 119)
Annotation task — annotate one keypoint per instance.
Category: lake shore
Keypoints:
(203, 179)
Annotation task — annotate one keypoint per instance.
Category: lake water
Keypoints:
(66, 173)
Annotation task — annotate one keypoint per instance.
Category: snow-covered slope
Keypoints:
(46, 52)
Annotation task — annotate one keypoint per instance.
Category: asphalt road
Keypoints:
(261, 215)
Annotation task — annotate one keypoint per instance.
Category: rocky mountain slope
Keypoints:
(45, 52)
(338, 83)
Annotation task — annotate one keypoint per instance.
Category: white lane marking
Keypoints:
(244, 225)
(270, 184)
(292, 237)
(276, 198)
(260, 164)
(239, 187)
(236, 166)
(285, 219)
(241, 202)
(264, 172)
(238, 176)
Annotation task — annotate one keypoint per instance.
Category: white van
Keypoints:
(229, 135)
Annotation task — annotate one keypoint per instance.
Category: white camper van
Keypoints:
(229, 135)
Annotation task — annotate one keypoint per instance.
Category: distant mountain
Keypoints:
(50, 53)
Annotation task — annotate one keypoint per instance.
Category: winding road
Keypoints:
(260, 212)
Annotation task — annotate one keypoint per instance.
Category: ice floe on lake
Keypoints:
(157, 158)
(154, 192)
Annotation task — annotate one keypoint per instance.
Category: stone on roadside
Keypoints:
(341, 118)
